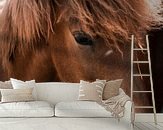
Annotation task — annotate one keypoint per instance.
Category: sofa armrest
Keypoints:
(127, 119)
(128, 112)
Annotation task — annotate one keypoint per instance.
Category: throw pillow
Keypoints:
(18, 84)
(91, 91)
(5, 85)
(16, 95)
(111, 88)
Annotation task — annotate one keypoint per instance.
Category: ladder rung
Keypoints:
(141, 74)
(140, 61)
(140, 49)
(142, 91)
(143, 106)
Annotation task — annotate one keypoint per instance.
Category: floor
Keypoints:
(75, 124)
(148, 126)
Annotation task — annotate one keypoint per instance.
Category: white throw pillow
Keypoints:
(26, 109)
(18, 84)
(81, 109)
(91, 91)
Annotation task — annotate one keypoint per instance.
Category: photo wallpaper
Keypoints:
(73, 40)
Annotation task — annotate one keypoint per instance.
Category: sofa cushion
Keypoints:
(26, 109)
(18, 84)
(80, 109)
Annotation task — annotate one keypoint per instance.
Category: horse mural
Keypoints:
(70, 40)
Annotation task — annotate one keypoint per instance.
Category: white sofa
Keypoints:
(65, 92)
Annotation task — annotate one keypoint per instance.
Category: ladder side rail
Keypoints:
(132, 66)
(151, 80)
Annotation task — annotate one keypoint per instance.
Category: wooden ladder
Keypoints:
(133, 49)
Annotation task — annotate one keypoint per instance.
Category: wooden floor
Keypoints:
(148, 126)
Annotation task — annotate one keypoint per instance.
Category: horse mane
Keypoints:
(25, 22)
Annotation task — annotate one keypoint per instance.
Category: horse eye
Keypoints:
(83, 38)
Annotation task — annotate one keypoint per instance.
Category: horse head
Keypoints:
(69, 40)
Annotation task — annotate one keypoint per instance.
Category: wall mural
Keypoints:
(70, 40)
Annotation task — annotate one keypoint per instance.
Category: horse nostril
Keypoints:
(82, 38)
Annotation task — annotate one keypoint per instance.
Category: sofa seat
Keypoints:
(81, 109)
(26, 109)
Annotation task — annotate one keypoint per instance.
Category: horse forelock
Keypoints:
(116, 20)
(25, 22)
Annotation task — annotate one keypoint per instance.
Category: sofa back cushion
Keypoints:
(55, 92)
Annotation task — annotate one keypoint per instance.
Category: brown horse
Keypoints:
(69, 40)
